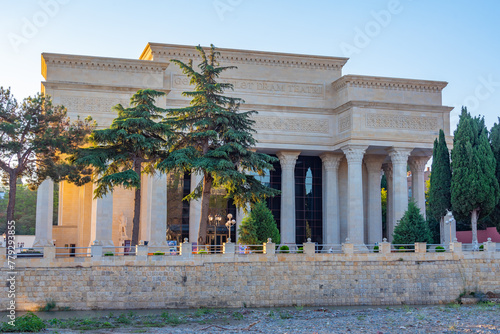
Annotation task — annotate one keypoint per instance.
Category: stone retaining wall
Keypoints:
(256, 280)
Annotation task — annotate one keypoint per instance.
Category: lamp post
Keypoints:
(229, 224)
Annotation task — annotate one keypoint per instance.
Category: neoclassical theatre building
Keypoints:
(334, 136)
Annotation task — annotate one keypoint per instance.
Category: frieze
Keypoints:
(274, 123)
(263, 87)
(91, 105)
(401, 122)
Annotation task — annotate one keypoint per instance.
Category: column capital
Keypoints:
(331, 161)
(387, 169)
(288, 158)
(374, 162)
(417, 164)
(354, 153)
(399, 155)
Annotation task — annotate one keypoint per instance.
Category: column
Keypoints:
(101, 223)
(331, 215)
(389, 228)
(194, 209)
(355, 223)
(240, 214)
(287, 161)
(417, 167)
(373, 165)
(399, 158)
(44, 214)
(146, 199)
(157, 207)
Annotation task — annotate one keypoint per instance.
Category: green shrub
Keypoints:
(376, 249)
(300, 250)
(29, 322)
(202, 251)
(158, 253)
(440, 249)
(481, 248)
(412, 227)
(49, 306)
(285, 249)
(109, 254)
(258, 226)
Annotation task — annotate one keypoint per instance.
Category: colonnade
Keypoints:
(363, 226)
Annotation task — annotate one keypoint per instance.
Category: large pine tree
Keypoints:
(495, 147)
(474, 187)
(440, 181)
(213, 138)
(131, 146)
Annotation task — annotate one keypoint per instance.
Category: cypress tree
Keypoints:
(265, 224)
(213, 138)
(474, 187)
(412, 227)
(495, 148)
(247, 232)
(131, 146)
(440, 181)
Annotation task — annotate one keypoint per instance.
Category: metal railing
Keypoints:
(118, 250)
(249, 249)
(328, 248)
(208, 249)
(289, 249)
(438, 248)
(73, 251)
(29, 251)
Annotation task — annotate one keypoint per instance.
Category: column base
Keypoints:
(43, 243)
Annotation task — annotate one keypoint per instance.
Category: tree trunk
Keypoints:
(137, 208)
(12, 197)
(473, 219)
(205, 204)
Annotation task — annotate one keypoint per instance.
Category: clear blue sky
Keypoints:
(454, 41)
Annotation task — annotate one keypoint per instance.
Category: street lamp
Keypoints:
(229, 224)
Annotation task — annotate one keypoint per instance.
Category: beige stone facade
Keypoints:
(357, 125)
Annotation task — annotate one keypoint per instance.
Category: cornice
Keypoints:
(234, 56)
(361, 81)
(100, 63)
(81, 86)
(392, 106)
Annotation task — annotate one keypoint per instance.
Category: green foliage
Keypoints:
(25, 213)
(49, 306)
(495, 148)
(35, 137)
(440, 249)
(158, 253)
(474, 186)
(109, 254)
(237, 316)
(440, 179)
(131, 146)
(412, 227)
(284, 249)
(29, 322)
(212, 137)
(265, 225)
(376, 249)
(247, 232)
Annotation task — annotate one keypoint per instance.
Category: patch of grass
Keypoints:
(237, 316)
(29, 322)
(453, 305)
(420, 317)
(202, 311)
(271, 314)
(285, 315)
(361, 317)
(299, 307)
(171, 319)
(49, 306)
(123, 319)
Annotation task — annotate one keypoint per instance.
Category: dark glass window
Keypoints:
(308, 199)
(178, 186)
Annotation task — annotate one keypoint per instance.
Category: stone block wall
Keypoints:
(255, 281)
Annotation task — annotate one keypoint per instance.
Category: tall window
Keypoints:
(178, 186)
